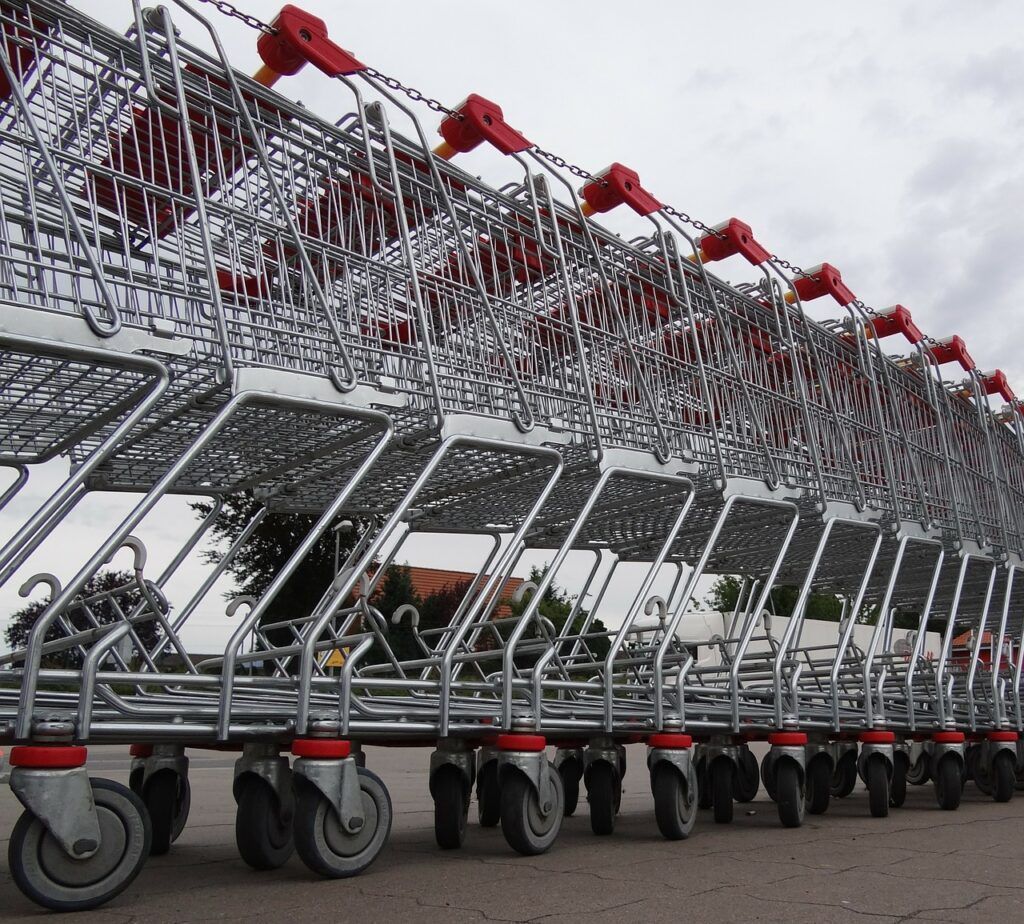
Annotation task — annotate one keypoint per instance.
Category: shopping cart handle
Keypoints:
(478, 120)
(823, 279)
(993, 383)
(614, 186)
(953, 350)
(729, 238)
(300, 37)
(896, 320)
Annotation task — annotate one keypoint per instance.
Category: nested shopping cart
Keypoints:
(208, 290)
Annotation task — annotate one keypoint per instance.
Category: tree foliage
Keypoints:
(556, 606)
(267, 551)
(725, 592)
(828, 607)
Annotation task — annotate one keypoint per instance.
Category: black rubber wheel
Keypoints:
(324, 845)
(527, 830)
(917, 772)
(789, 793)
(48, 876)
(876, 775)
(135, 778)
(571, 772)
(977, 771)
(898, 784)
(818, 784)
(844, 776)
(722, 771)
(746, 780)
(705, 797)
(675, 800)
(263, 833)
(488, 795)
(451, 807)
(948, 783)
(168, 798)
(1003, 780)
(603, 795)
(768, 777)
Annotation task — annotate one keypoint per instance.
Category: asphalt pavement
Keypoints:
(919, 864)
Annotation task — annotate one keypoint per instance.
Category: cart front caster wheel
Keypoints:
(948, 783)
(746, 782)
(789, 793)
(1003, 776)
(819, 785)
(527, 830)
(603, 794)
(675, 800)
(571, 772)
(51, 878)
(876, 775)
(917, 773)
(898, 786)
(722, 772)
(768, 778)
(977, 771)
(705, 797)
(321, 841)
(451, 807)
(168, 798)
(263, 832)
(844, 776)
(488, 795)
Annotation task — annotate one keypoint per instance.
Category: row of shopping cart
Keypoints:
(207, 290)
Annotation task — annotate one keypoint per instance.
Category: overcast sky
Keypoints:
(882, 137)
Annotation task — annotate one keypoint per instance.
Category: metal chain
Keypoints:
(563, 164)
(692, 222)
(415, 95)
(233, 12)
(786, 265)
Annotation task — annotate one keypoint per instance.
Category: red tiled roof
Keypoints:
(428, 581)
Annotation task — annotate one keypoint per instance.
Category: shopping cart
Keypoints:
(208, 290)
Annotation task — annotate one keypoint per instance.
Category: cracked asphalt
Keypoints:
(919, 864)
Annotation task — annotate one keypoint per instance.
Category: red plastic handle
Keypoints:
(953, 350)
(896, 320)
(820, 280)
(302, 37)
(614, 186)
(729, 238)
(993, 383)
(482, 120)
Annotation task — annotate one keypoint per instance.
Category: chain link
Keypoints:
(222, 6)
(786, 265)
(692, 222)
(417, 96)
(563, 164)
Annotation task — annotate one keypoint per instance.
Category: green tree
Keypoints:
(557, 605)
(267, 551)
(725, 592)
(396, 590)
